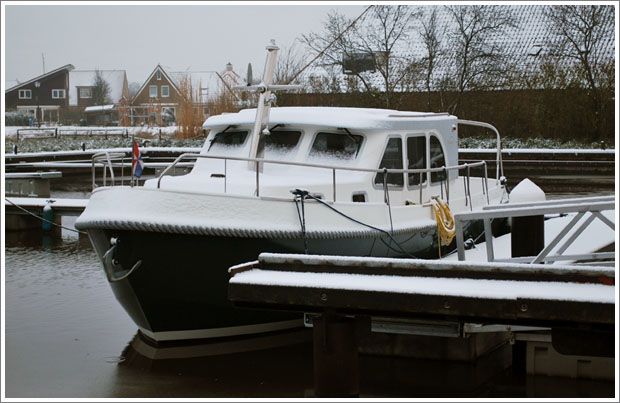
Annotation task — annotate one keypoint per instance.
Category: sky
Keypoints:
(137, 37)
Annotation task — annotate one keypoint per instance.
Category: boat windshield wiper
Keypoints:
(358, 141)
(278, 125)
(217, 135)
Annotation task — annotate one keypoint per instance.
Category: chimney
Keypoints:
(228, 66)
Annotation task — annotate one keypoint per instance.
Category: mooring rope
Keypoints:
(43, 219)
(445, 223)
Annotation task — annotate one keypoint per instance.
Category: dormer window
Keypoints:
(25, 94)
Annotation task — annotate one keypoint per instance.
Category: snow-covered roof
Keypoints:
(208, 83)
(350, 118)
(98, 108)
(86, 78)
(68, 67)
(526, 43)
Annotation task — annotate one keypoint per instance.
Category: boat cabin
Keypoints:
(321, 148)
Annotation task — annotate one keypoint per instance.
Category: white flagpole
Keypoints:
(133, 166)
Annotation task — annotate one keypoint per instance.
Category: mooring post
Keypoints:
(336, 363)
(527, 233)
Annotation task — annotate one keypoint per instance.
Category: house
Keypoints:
(83, 96)
(45, 97)
(158, 99)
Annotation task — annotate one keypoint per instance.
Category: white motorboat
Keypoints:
(317, 180)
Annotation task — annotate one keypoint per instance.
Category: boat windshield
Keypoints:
(336, 145)
(226, 141)
(278, 143)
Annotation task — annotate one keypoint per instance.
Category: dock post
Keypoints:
(336, 363)
(527, 233)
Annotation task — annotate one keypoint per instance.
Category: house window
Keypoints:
(205, 111)
(153, 91)
(165, 91)
(25, 94)
(86, 92)
(58, 94)
(159, 74)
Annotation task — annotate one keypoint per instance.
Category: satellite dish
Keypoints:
(249, 79)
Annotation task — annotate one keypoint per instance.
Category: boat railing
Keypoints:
(106, 160)
(444, 182)
(499, 164)
(589, 207)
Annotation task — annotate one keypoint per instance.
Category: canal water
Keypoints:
(67, 337)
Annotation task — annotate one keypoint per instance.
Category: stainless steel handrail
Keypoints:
(330, 167)
(499, 164)
(106, 164)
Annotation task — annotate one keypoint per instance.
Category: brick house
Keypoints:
(157, 100)
(45, 97)
(114, 111)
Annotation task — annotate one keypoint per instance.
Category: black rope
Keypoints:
(300, 195)
(43, 219)
(400, 248)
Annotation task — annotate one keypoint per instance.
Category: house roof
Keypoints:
(67, 67)
(86, 78)
(208, 83)
(526, 44)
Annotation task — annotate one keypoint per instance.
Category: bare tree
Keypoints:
(382, 37)
(291, 60)
(580, 34)
(101, 89)
(431, 35)
(479, 62)
(133, 88)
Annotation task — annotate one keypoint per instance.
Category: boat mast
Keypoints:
(265, 99)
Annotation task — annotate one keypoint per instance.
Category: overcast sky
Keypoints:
(135, 38)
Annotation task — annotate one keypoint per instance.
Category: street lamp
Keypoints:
(37, 84)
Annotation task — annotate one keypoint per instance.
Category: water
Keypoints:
(67, 337)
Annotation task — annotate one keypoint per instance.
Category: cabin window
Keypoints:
(336, 145)
(228, 140)
(437, 159)
(279, 142)
(165, 91)
(358, 197)
(86, 92)
(58, 94)
(153, 91)
(416, 158)
(392, 159)
(25, 94)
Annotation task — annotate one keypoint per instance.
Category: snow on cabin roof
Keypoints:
(86, 78)
(350, 118)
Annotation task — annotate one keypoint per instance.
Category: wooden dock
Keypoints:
(35, 205)
(345, 293)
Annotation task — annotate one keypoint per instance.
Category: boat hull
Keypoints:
(179, 290)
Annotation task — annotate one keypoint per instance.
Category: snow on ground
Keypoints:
(11, 131)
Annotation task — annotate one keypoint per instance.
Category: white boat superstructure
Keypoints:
(318, 180)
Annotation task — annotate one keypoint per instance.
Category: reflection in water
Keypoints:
(66, 336)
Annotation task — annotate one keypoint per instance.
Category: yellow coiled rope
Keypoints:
(445, 223)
